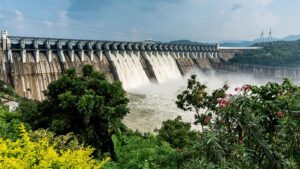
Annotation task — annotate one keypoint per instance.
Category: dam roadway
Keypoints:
(29, 64)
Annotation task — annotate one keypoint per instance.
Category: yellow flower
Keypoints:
(24, 153)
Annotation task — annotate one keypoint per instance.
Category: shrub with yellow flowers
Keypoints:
(24, 153)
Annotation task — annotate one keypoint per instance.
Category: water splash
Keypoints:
(164, 66)
(130, 70)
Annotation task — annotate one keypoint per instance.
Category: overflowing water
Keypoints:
(164, 66)
(152, 104)
(130, 70)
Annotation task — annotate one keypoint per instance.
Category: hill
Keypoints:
(236, 43)
(186, 42)
(279, 53)
(291, 38)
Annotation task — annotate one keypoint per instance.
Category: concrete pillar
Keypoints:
(60, 51)
(9, 51)
(139, 54)
(220, 55)
(37, 55)
(109, 55)
(216, 54)
(23, 55)
(72, 55)
(81, 52)
(91, 52)
(131, 54)
(71, 51)
(36, 50)
(48, 51)
(100, 54)
(4, 40)
(23, 50)
(99, 50)
(194, 55)
(10, 57)
(122, 53)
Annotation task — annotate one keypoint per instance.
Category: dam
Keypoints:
(30, 64)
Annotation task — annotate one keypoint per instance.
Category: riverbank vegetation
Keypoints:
(278, 53)
(79, 125)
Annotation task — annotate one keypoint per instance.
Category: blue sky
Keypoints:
(198, 20)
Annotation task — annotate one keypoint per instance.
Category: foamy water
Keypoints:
(152, 104)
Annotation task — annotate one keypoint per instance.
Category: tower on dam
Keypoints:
(29, 64)
(4, 35)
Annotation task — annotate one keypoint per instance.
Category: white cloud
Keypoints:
(48, 24)
(19, 16)
(20, 21)
(248, 21)
(63, 18)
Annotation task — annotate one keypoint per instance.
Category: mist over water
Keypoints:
(152, 104)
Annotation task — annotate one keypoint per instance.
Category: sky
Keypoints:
(161, 20)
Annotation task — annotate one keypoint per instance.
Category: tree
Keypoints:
(86, 105)
(258, 127)
(177, 133)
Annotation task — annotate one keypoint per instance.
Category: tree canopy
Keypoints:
(87, 105)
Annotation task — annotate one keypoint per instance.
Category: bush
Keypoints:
(136, 152)
(9, 123)
(258, 127)
(23, 153)
(177, 133)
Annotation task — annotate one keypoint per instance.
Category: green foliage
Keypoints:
(281, 53)
(6, 89)
(134, 152)
(28, 109)
(9, 123)
(61, 142)
(256, 128)
(177, 133)
(25, 153)
(88, 105)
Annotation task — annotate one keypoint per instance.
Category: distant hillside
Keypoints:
(237, 44)
(187, 42)
(291, 38)
(279, 53)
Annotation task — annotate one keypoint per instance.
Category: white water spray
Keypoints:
(164, 67)
(130, 70)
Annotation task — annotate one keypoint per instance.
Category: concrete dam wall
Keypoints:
(260, 71)
(30, 64)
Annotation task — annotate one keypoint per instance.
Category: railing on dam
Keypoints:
(55, 43)
(36, 45)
